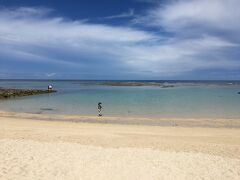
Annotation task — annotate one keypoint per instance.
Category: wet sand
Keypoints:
(151, 121)
(33, 149)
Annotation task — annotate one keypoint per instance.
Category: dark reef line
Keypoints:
(11, 93)
(162, 85)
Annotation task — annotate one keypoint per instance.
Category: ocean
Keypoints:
(177, 99)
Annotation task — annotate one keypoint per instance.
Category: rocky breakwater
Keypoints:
(11, 93)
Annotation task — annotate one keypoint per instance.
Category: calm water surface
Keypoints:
(191, 99)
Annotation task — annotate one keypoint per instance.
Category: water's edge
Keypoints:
(173, 122)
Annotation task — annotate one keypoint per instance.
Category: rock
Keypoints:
(9, 93)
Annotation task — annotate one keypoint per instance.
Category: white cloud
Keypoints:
(183, 14)
(34, 35)
(51, 29)
(25, 12)
(176, 57)
(204, 34)
(128, 14)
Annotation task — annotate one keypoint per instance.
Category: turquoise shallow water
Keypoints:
(190, 99)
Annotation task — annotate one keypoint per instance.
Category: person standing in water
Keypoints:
(99, 109)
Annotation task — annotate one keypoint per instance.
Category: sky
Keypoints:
(120, 39)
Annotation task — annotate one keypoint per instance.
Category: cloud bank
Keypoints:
(220, 15)
(201, 36)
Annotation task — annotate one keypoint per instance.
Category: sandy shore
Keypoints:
(150, 121)
(33, 149)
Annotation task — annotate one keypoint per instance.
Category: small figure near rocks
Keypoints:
(50, 87)
(99, 109)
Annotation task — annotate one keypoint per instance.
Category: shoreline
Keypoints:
(171, 122)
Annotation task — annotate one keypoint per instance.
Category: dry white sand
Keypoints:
(32, 149)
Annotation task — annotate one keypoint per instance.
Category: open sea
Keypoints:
(182, 99)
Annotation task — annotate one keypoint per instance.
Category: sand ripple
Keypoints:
(27, 159)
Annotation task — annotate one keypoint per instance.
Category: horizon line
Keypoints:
(23, 79)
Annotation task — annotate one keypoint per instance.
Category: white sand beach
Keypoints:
(120, 90)
(34, 149)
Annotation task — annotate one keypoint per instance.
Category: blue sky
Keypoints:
(120, 39)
